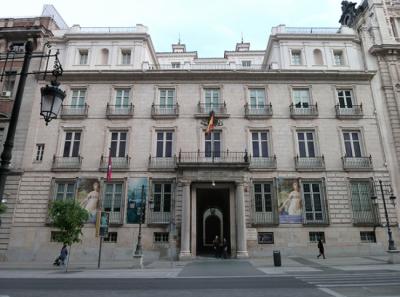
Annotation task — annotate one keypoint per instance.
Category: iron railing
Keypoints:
(212, 157)
(162, 163)
(309, 163)
(357, 163)
(311, 30)
(366, 217)
(257, 111)
(67, 163)
(305, 111)
(119, 111)
(158, 111)
(158, 218)
(74, 111)
(264, 218)
(115, 217)
(116, 162)
(206, 108)
(263, 162)
(355, 111)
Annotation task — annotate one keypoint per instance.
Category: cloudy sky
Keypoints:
(208, 26)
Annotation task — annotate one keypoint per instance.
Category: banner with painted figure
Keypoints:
(89, 196)
(290, 205)
(136, 199)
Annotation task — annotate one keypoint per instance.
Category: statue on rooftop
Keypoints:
(349, 13)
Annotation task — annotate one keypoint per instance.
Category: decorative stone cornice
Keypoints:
(385, 49)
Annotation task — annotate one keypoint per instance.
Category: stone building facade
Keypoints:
(294, 156)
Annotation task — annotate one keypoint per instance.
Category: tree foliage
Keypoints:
(69, 217)
(3, 208)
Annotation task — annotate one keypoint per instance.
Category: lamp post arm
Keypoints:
(391, 242)
(9, 143)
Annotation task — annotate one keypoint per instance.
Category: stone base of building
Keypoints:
(394, 257)
(242, 254)
(185, 256)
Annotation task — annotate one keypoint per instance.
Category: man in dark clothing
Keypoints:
(321, 249)
(63, 255)
(216, 246)
(225, 248)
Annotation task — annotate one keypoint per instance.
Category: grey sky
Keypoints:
(208, 26)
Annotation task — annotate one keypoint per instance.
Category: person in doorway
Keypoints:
(225, 248)
(216, 246)
(63, 255)
(321, 249)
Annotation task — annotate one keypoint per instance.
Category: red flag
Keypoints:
(109, 167)
(210, 126)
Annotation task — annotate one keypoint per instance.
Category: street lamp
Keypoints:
(141, 211)
(51, 99)
(392, 199)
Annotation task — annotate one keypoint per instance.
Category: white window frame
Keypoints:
(126, 56)
(360, 140)
(66, 186)
(293, 53)
(113, 195)
(78, 94)
(306, 142)
(119, 142)
(357, 203)
(123, 96)
(162, 194)
(73, 141)
(260, 141)
(264, 194)
(312, 200)
(258, 104)
(164, 142)
(39, 152)
(302, 102)
(335, 53)
(167, 97)
(213, 141)
(352, 97)
(82, 52)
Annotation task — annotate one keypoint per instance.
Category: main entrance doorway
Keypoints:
(212, 218)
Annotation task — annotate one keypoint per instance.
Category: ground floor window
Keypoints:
(160, 237)
(315, 236)
(54, 235)
(368, 236)
(111, 237)
(112, 202)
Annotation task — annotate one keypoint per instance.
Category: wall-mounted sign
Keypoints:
(265, 237)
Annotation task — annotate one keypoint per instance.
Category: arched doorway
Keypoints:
(213, 225)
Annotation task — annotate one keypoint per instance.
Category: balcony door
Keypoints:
(212, 144)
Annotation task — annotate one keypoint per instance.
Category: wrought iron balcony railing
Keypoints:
(263, 162)
(353, 112)
(116, 218)
(159, 163)
(265, 218)
(164, 111)
(309, 163)
(67, 163)
(357, 163)
(254, 111)
(117, 163)
(158, 218)
(303, 111)
(204, 109)
(366, 217)
(119, 111)
(213, 158)
(74, 111)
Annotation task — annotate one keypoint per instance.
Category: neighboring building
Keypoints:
(293, 156)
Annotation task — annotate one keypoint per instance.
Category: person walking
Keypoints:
(225, 248)
(216, 246)
(63, 255)
(321, 249)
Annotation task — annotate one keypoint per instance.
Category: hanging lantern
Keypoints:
(52, 98)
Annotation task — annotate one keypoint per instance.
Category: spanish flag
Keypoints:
(210, 126)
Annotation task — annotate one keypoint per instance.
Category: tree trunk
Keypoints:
(69, 255)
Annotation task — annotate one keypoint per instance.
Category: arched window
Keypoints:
(318, 60)
(104, 56)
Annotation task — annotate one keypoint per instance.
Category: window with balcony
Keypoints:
(164, 144)
(39, 152)
(352, 144)
(125, 56)
(296, 57)
(112, 201)
(263, 203)
(64, 190)
(257, 98)
(314, 207)
(167, 98)
(301, 98)
(78, 98)
(346, 107)
(345, 98)
(260, 144)
(162, 194)
(71, 144)
(122, 98)
(338, 58)
(306, 142)
(212, 144)
(361, 203)
(83, 56)
(211, 99)
(118, 143)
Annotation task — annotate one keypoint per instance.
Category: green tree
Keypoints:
(3, 208)
(69, 217)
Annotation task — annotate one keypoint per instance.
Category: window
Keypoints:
(64, 190)
(213, 144)
(71, 144)
(313, 204)
(39, 152)
(345, 98)
(361, 196)
(211, 98)
(164, 144)
(122, 98)
(296, 57)
(368, 236)
(176, 65)
(113, 200)
(83, 56)
(118, 143)
(126, 56)
(104, 56)
(162, 193)
(246, 63)
(338, 59)
(111, 237)
(352, 144)
(263, 197)
(301, 98)
(257, 98)
(78, 97)
(315, 236)
(306, 143)
(167, 97)
(160, 237)
(260, 144)
(54, 235)
(18, 47)
(9, 83)
(318, 60)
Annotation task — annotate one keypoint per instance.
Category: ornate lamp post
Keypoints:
(141, 212)
(392, 198)
(51, 99)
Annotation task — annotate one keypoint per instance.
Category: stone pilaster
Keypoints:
(241, 222)
(185, 224)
